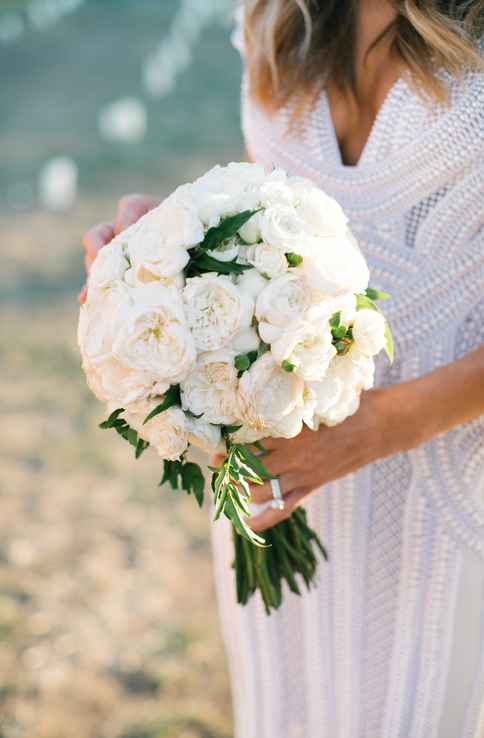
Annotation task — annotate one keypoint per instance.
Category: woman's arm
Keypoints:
(390, 420)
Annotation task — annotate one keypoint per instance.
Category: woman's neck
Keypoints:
(374, 17)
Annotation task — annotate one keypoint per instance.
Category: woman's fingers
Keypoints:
(263, 492)
(131, 208)
(271, 517)
(94, 239)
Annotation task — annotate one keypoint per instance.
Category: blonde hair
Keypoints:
(295, 46)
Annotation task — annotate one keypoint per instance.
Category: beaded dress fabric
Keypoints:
(390, 644)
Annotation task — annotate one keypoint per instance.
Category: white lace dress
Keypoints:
(391, 642)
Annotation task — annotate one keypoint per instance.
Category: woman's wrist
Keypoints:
(404, 421)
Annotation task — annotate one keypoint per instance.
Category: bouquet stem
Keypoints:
(290, 550)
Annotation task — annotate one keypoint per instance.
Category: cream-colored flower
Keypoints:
(307, 347)
(283, 300)
(216, 310)
(269, 260)
(210, 390)
(369, 332)
(281, 226)
(166, 432)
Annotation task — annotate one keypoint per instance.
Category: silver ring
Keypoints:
(277, 502)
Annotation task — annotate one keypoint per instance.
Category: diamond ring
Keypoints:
(277, 503)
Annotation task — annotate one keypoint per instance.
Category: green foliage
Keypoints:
(230, 485)
(293, 260)
(244, 361)
(288, 366)
(202, 263)
(184, 475)
(376, 294)
(225, 230)
(171, 398)
(125, 431)
(291, 552)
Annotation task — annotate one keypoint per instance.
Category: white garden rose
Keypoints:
(153, 257)
(216, 310)
(355, 369)
(334, 266)
(307, 347)
(281, 226)
(247, 434)
(327, 393)
(204, 435)
(321, 214)
(269, 260)
(282, 301)
(252, 282)
(369, 331)
(177, 221)
(210, 390)
(153, 335)
(109, 265)
(270, 398)
(346, 406)
(245, 341)
(214, 206)
(100, 320)
(110, 381)
(167, 432)
(275, 192)
(251, 230)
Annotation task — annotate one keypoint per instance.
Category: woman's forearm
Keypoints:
(433, 404)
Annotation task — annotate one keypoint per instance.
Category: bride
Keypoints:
(381, 103)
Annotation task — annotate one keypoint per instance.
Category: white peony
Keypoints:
(334, 265)
(153, 335)
(281, 226)
(252, 282)
(369, 331)
(245, 341)
(271, 399)
(177, 221)
(276, 192)
(109, 265)
(166, 432)
(269, 260)
(346, 406)
(216, 310)
(355, 369)
(204, 435)
(321, 214)
(307, 347)
(153, 258)
(282, 301)
(210, 389)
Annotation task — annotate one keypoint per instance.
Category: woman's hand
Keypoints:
(130, 209)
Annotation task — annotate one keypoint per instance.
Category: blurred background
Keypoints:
(108, 626)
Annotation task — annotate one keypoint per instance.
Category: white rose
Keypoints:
(327, 393)
(346, 406)
(109, 265)
(177, 222)
(216, 310)
(321, 214)
(369, 332)
(282, 301)
(308, 347)
(252, 282)
(214, 206)
(153, 258)
(166, 432)
(251, 230)
(269, 260)
(334, 266)
(269, 397)
(226, 252)
(245, 341)
(275, 192)
(110, 381)
(282, 227)
(355, 369)
(210, 389)
(153, 334)
(204, 435)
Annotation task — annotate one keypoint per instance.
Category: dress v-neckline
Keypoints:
(372, 136)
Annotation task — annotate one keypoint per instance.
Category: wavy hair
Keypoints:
(296, 46)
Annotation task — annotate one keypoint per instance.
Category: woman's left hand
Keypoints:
(307, 462)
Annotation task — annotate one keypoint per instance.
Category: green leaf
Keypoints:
(202, 263)
(227, 228)
(193, 481)
(293, 260)
(109, 423)
(288, 366)
(242, 362)
(376, 294)
(339, 332)
(263, 349)
(365, 303)
(389, 348)
(335, 320)
(172, 397)
(227, 430)
(141, 447)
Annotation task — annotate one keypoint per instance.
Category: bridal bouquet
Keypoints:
(236, 310)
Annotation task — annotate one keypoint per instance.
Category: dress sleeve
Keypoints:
(237, 35)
